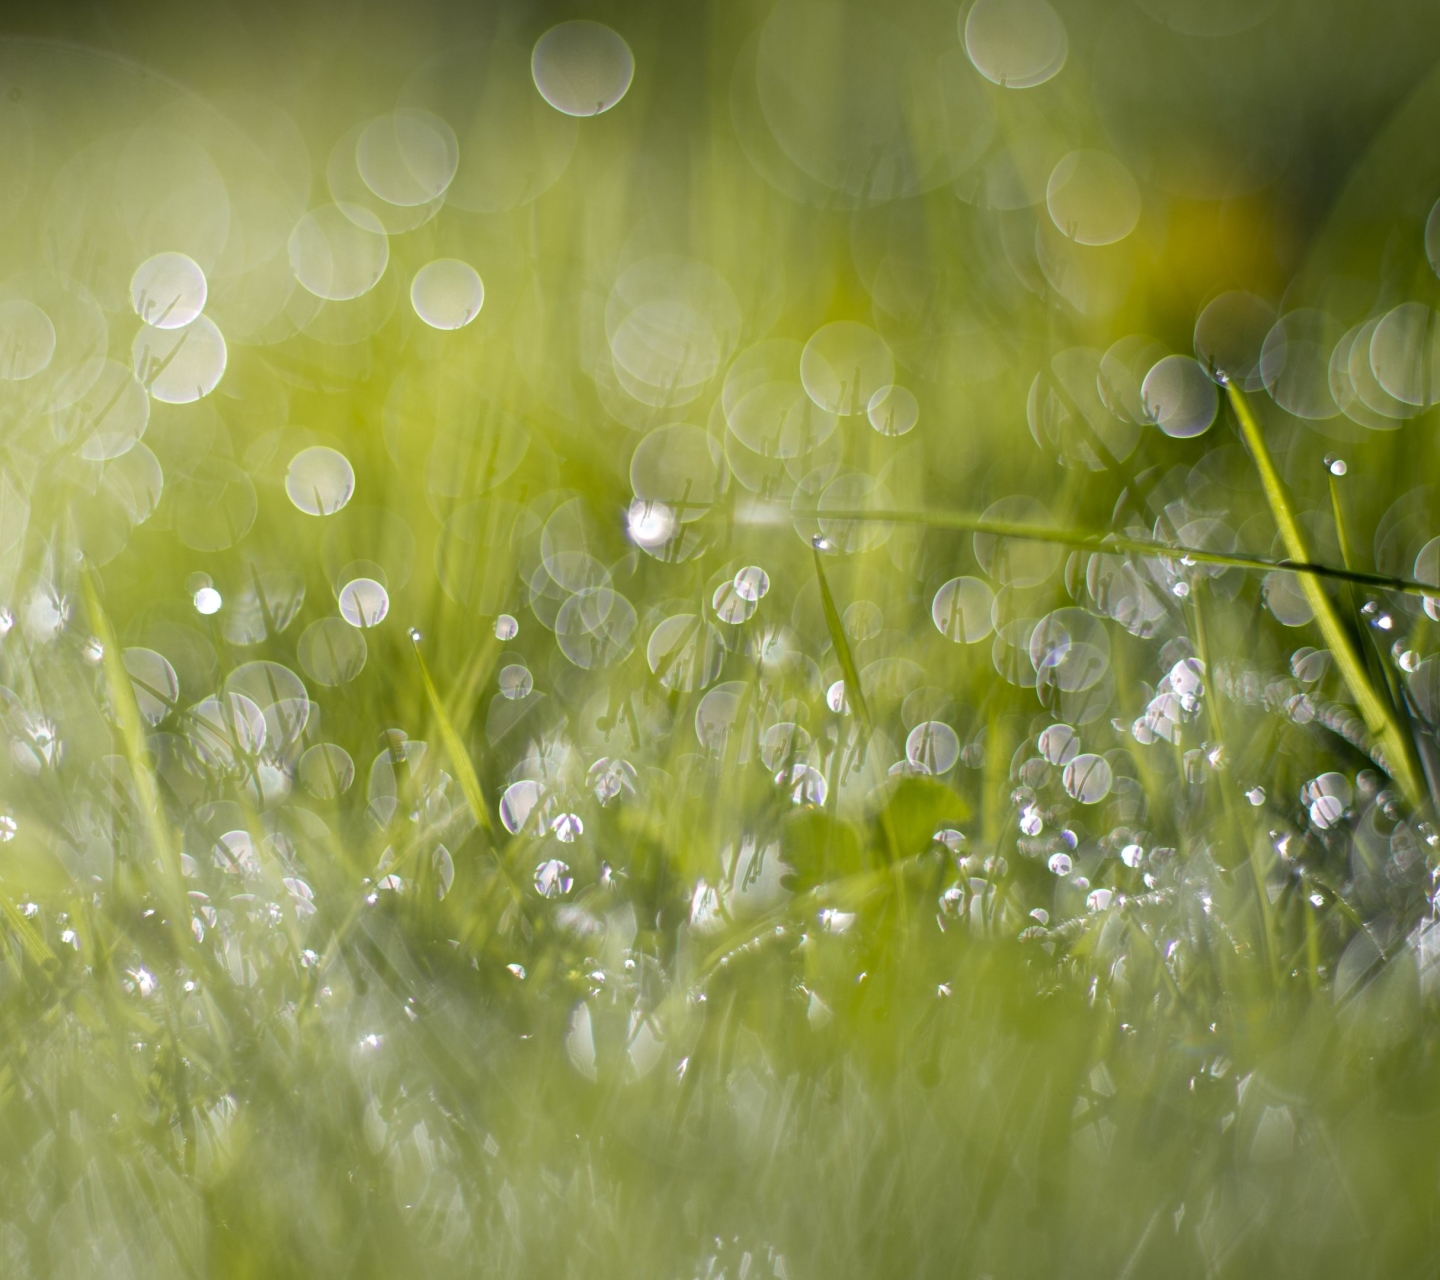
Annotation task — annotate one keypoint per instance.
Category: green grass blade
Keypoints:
(1377, 715)
(454, 748)
(137, 750)
(1115, 543)
(841, 643)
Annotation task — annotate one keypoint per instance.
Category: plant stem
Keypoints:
(1116, 543)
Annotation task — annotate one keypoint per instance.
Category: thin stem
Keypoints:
(1115, 543)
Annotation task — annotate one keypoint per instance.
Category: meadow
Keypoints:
(720, 641)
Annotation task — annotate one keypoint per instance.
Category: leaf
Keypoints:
(916, 807)
(819, 848)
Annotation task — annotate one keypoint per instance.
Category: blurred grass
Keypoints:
(253, 1028)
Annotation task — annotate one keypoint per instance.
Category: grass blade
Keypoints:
(1115, 543)
(454, 748)
(1378, 717)
(838, 639)
(137, 750)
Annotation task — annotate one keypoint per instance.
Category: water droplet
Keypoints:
(1059, 744)
(168, 290)
(893, 411)
(1326, 811)
(835, 697)
(730, 606)
(1060, 864)
(447, 294)
(807, 784)
(752, 582)
(582, 68)
(506, 628)
(1098, 899)
(953, 840)
(320, 481)
(364, 602)
(650, 524)
(516, 682)
(1088, 778)
(1256, 796)
(933, 746)
(1132, 855)
(207, 601)
(553, 879)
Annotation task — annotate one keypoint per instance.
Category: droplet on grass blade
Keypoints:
(1229, 335)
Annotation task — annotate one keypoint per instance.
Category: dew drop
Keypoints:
(364, 602)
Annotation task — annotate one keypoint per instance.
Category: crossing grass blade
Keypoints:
(1116, 543)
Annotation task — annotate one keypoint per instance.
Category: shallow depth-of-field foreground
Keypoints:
(714, 640)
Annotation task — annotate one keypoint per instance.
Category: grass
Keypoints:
(654, 888)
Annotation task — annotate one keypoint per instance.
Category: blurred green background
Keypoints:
(534, 742)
